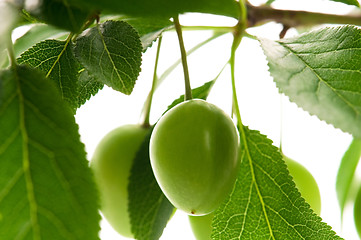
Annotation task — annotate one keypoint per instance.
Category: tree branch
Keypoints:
(290, 18)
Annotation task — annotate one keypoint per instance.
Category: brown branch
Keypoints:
(290, 18)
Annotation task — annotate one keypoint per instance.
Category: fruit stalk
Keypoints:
(188, 89)
(148, 103)
(238, 32)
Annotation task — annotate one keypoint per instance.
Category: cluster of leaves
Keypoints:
(46, 187)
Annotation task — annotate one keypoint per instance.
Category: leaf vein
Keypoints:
(322, 80)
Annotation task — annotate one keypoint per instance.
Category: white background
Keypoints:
(318, 146)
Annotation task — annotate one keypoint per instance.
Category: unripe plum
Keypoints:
(194, 156)
(111, 164)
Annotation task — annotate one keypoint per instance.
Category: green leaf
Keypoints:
(265, 204)
(88, 87)
(269, 2)
(60, 14)
(320, 72)
(201, 92)
(46, 187)
(346, 172)
(149, 209)
(56, 60)
(111, 52)
(349, 2)
(4, 58)
(163, 8)
(149, 29)
(37, 33)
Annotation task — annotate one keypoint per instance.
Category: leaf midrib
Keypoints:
(57, 61)
(26, 161)
(110, 57)
(321, 80)
(254, 181)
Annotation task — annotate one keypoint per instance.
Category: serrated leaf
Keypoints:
(149, 209)
(265, 204)
(163, 8)
(320, 72)
(346, 172)
(349, 2)
(59, 13)
(88, 87)
(46, 187)
(149, 29)
(37, 33)
(111, 52)
(56, 60)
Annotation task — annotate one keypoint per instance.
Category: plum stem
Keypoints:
(148, 103)
(238, 33)
(188, 89)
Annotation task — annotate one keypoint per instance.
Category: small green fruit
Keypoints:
(111, 164)
(194, 156)
(305, 183)
(202, 226)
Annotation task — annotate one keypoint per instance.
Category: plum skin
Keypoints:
(194, 156)
(111, 164)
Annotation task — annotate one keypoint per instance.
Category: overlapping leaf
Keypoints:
(163, 8)
(320, 72)
(37, 33)
(149, 29)
(46, 187)
(149, 209)
(346, 172)
(111, 52)
(88, 87)
(55, 58)
(59, 13)
(265, 203)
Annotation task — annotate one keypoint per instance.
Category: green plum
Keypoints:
(111, 164)
(194, 156)
(305, 183)
(201, 226)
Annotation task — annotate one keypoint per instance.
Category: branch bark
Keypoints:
(290, 18)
